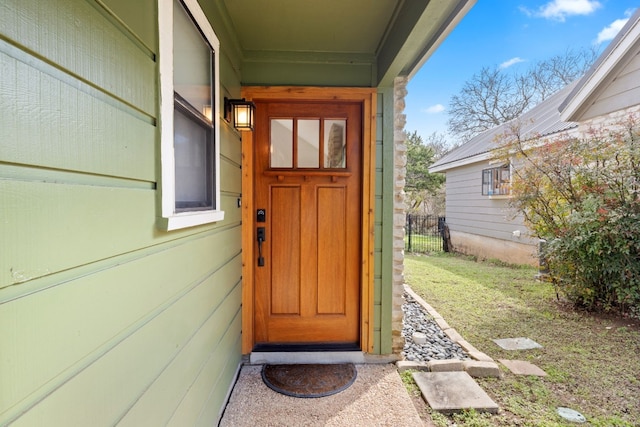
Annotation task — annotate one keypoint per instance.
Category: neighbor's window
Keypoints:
(496, 181)
(189, 115)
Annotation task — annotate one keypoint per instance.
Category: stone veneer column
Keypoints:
(399, 173)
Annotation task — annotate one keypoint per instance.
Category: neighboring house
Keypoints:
(611, 87)
(146, 245)
(477, 188)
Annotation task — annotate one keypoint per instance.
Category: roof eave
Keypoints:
(461, 162)
(404, 54)
(582, 96)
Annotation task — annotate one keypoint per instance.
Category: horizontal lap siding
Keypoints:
(105, 318)
(68, 125)
(74, 36)
(622, 92)
(467, 210)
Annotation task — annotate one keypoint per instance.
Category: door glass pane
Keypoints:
(308, 143)
(334, 143)
(192, 62)
(281, 143)
(193, 164)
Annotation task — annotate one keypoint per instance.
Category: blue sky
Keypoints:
(513, 34)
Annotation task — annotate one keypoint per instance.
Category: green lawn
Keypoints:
(592, 361)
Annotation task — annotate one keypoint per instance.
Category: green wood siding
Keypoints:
(291, 72)
(105, 318)
(383, 273)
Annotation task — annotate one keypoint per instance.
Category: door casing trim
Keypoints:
(367, 98)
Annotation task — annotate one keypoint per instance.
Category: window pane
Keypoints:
(505, 180)
(281, 143)
(192, 62)
(334, 143)
(193, 163)
(496, 181)
(308, 143)
(486, 181)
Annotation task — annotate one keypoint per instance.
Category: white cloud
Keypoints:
(611, 30)
(561, 9)
(510, 62)
(434, 109)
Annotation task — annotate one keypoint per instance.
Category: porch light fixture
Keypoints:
(240, 113)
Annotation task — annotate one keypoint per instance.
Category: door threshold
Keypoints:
(305, 357)
(309, 347)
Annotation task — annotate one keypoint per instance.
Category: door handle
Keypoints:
(261, 233)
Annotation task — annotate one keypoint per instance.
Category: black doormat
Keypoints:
(310, 380)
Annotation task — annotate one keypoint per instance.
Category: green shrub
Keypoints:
(596, 262)
(582, 195)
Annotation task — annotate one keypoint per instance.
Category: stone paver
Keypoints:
(466, 346)
(521, 367)
(517, 343)
(442, 323)
(406, 365)
(450, 392)
(447, 365)
(478, 355)
(453, 335)
(479, 369)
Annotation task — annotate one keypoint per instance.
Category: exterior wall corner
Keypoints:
(399, 210)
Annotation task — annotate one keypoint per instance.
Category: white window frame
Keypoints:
(172, 220)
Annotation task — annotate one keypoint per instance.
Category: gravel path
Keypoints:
(438, 346)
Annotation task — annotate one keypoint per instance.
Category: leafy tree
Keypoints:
(582, 195)
(494, 96)
(420, 184)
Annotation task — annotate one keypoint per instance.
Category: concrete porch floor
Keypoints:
(376, 398)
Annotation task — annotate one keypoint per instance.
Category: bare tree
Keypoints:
(438, 142)
(490, 98)
(494, 96)
(550, 75)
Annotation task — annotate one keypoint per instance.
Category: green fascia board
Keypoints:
(308, 68)
(418, 30)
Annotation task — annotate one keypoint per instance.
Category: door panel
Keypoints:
(332, 242)
(285, 250)
(308, 178)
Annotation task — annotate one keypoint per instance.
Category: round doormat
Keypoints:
(309, 380)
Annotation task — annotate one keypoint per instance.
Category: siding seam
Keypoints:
(22, 54)
(185, 343)
(122, 27)
(68, 374)
(6, 296)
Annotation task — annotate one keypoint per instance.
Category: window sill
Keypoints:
(189, 219)
(500, 197)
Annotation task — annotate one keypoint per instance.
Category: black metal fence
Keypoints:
(424, 233)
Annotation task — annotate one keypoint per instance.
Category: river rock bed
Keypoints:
(438, 346)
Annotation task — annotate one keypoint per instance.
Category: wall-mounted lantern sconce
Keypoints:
(240, 113)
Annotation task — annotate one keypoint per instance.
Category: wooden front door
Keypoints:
(308, 201)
